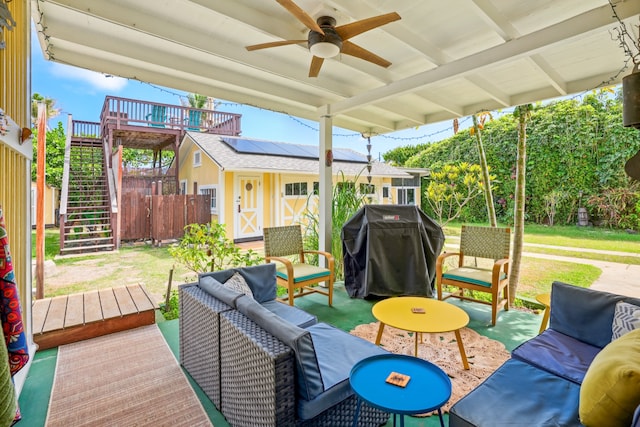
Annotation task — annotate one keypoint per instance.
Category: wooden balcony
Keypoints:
(152, 125)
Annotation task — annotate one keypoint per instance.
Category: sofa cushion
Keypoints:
(337, 352)
(626, 318)
(308, 378)
(558, 354)
(518, 394)
(291, 313)
(584, 314)
(218, 290)
(260, 278)
(610, 391)
(303, 272)
(238, 284)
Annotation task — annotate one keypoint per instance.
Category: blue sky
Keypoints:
(81, 93)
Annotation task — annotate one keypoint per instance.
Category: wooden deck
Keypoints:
(70, 318)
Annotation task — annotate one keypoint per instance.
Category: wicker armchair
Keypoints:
(281, 242)
(480, 242)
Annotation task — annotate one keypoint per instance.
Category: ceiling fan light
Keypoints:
(324, 50)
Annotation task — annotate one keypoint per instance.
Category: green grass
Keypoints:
(51, 243)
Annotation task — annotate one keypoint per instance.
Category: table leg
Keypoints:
(357, 414)
(416, 345)
(463, 355)
(440, 415)
(545, 320)
(379, 337)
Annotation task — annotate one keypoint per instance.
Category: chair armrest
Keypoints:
(287, 263)
(330, 259)
(440, 261)
(501, 264)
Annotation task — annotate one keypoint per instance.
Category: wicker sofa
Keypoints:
(572, 372)
(264, 363)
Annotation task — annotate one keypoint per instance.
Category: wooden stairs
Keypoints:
(86, 227)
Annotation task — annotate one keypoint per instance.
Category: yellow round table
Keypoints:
(544, 299)
(421, 315)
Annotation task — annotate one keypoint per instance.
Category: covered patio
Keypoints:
(447, 60)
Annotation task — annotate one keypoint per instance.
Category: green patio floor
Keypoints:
(512, 328)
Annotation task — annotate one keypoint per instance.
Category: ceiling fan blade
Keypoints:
(353, 29)
(274, 44)
(301, 15)
(353, 49)
(316, 63)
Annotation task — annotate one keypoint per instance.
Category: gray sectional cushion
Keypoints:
(308, 376)
(214, 288)
(260, 278)
(291, 313)
(584, 314)
(337, 352)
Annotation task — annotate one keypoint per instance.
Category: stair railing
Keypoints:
(64, 194)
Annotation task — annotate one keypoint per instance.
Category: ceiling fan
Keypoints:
(325, 40)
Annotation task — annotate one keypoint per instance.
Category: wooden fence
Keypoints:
(161, 217)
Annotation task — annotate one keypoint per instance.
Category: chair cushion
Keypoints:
(337, 352)
(626, 318)
(291, 313)
(610, 391)
(303, 272)
(477, 276)
(558, 354)
(238, 284)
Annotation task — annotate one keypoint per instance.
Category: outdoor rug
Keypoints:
(483, 354)
(128, 378)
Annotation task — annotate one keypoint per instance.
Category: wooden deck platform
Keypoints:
(70, 318)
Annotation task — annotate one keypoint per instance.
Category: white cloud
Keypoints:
(98, 81)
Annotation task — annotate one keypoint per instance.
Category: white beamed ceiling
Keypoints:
(449, 58)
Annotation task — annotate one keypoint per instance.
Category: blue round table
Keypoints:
(428, 388)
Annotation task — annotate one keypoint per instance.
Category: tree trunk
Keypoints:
(522, 112)
(486, 180)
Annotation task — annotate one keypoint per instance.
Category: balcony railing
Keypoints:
(132, 112)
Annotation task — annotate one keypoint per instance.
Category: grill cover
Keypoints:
(390, 250)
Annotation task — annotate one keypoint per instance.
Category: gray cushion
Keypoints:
(626, 318)
(291, 313)
(308, 376)
(238, 284)
(337, 352)
(260, 278)
(584, 314)
(214, 288)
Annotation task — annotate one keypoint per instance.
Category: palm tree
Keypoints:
(196, 100)
(477, 126)
(49, 103)
(523, 113)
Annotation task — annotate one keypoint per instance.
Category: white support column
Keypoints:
(326, 191)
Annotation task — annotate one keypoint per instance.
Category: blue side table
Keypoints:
(427, 390)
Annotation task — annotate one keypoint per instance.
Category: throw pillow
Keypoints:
(626, 318)
(610, 391)
(238, 284)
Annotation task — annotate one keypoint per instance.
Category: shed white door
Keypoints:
(248, 211)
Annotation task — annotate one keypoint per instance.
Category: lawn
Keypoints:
(148, 265)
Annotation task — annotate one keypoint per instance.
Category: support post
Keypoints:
(325, 172)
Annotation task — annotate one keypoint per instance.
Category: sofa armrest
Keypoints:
(258, 374)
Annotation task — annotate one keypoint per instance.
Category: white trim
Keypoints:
(184, 188)
(388, 188)
(215, 198)
(197, 158)
(221, 195)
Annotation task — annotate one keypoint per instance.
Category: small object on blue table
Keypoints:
(428, 389)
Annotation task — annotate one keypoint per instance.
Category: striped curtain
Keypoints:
(10, 313)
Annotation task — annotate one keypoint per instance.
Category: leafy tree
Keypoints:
(205, 247)
(54, 161)
(50, 110)
(451, 188)
(196, 100)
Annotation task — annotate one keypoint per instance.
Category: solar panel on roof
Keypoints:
(248, 146)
